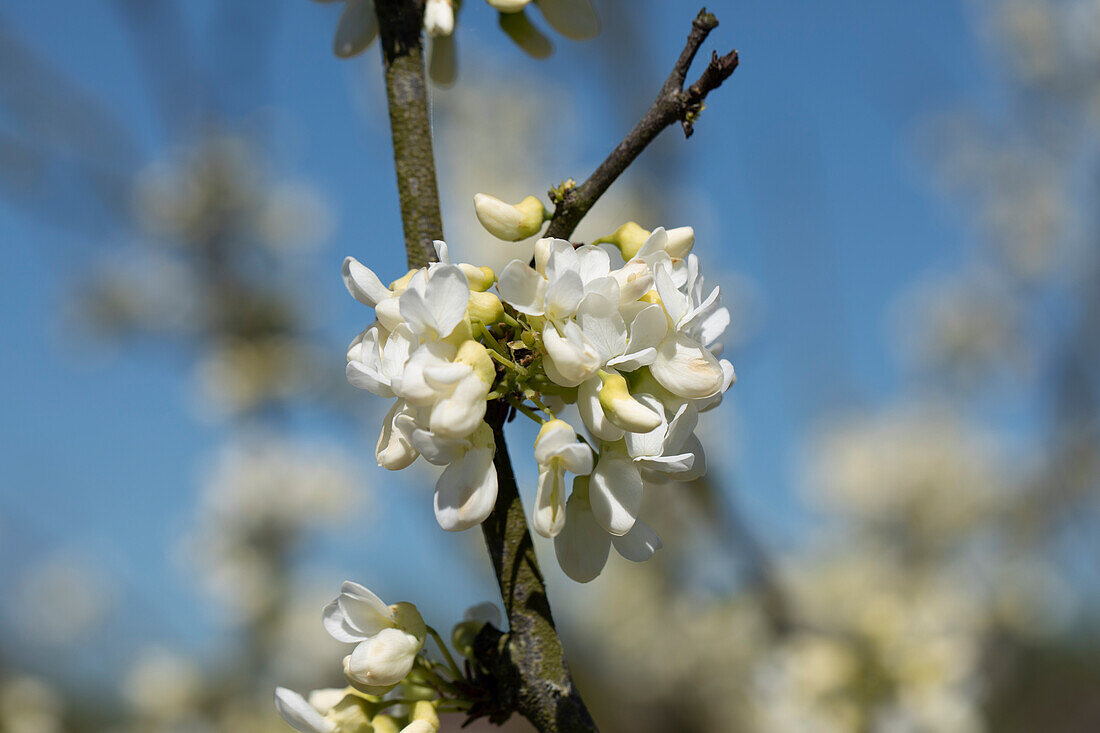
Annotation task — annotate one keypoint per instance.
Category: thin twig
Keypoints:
(674, 104)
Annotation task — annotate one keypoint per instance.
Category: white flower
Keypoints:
(388, 638)
(556, 451)
(561, 278)
(450, 383)
(510, 222)
(583, 545)
(395, 449)
(330, 710)
(377, 356)
(684, 365)
(435, 301)
(467, 489)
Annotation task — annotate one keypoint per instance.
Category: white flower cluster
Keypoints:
(632, 344)
(389, 651)
(577, 19)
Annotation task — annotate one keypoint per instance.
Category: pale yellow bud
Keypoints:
(479, 278)
(629, 238)
(406, 617)
(484, 308)
(425, 711)
(621, 408)
(384, 724)
(507, 221)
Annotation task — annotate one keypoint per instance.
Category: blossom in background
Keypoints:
(357, 29)
(624, 330)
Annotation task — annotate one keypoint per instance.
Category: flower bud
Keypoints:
(621, 408)
(350, 715)
(629, 238)
(439, 18)
(479, 278)
(511, 223)
(484, 308)
(680, 241)
(383, 723)
(424, 712)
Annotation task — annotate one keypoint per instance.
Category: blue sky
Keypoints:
(808, 159)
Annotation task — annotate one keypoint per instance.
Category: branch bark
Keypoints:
(674, 104)
(399, 24)
(526, 666)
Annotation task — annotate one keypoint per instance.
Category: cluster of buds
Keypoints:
(630, 342)
(390, 676)
(358, 27)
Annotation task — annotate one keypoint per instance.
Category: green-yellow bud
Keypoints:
(629, 238)
(463, 635)
(484, 308)
(425, 711)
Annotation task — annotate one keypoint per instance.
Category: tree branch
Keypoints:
(673, 104)
(524, 669)
(526, 666)
(399, 24)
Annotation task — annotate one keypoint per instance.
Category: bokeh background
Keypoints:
(899, 531)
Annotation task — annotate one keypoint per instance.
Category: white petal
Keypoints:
(460, 413)
(395, 449)
(522, 288)
(548, 516)
(680, 242)
(362, 283)
(602, 325)
(634, 361)
(576, 458)
(437, 450)
(570, 360)
(574, 19)
(648, 328)
(672, 464)
(639, 544)
(362, 377)
(412, 385)
(651, 443)
(655, 244)
(300, 714)
(582, 546)
(384, 659)
(699, 465)
(686, 368)
(447, 295)
(466, 491)
(681, 427)
(677, 305)
(356, 614)
(713, 326)
(564, 295)
(634, 279)
(357, 28)
(562, 258)
(615, 492)
(592, 263)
